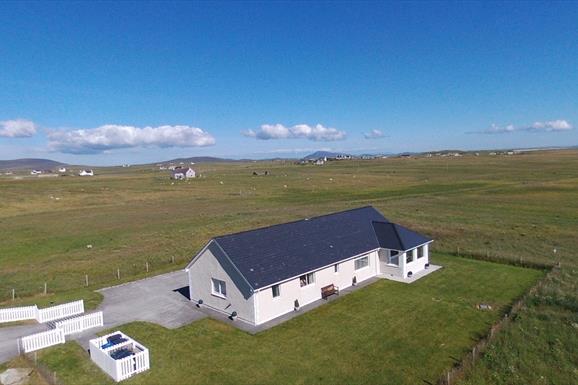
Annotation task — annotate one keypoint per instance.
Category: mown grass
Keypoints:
(387, 332)
(511, 208)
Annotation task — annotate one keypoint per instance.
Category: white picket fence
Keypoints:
(18, 313)
(42, 340)
(42, 315)
(60, 311)
(80, 323)
(125, 367)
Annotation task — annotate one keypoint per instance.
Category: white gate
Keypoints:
(60, 311)
(42, 340)
(18, 313)
(81, 323)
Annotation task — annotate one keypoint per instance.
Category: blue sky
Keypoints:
(110, 83)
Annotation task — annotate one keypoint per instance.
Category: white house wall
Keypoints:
(417, 264)
(212, 263)
(267, 307)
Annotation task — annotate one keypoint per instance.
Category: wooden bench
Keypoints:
(329, 290)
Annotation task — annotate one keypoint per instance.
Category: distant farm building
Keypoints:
(183, 173)
(62, 169)
(86, 173)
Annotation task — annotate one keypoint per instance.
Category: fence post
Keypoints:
(147, 266)
(173, 259)
(118, 273)
(448, 379)
(86, 279)
(45, 288)
(13, 294)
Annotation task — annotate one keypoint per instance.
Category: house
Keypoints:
(35, 172)
(320, 161)
(183, 173)
(86, 173)
(261, 274)
(62, 169)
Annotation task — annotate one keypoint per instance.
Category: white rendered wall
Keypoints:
(267, 307)
(208, 266)
(418, 264)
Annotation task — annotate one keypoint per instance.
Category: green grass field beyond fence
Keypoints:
(513, 208)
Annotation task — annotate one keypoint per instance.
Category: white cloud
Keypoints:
(17, 128)
(111, 136)
(374, 134)
(299, 131)
(552, 125)
(548, 126)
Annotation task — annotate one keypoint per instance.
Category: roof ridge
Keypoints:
(295, 221)
(397, 235)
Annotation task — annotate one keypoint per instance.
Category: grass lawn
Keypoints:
(386, 333)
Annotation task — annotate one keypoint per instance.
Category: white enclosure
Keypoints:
(60, 311)
(123, 368)
(79, 324)
(42, 340)
(18, 313)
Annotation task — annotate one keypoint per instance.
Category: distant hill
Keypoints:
(19, 164)
(321, 154)
(201, 159)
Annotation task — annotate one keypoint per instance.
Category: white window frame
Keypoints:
(278, 287)
(355, 267)
(308, 278)
(420, 250)
(389, 257)
(218, 288)
(408, 255)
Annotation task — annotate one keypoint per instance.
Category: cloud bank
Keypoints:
(374, 134)
(111, 136)
(559, 125)
(299, 131)
(17, 128)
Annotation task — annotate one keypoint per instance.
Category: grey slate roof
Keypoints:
(396, 237)
(272, 254)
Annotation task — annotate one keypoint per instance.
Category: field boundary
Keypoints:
(461, 368)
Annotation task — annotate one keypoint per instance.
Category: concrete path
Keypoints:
(156, 299)
(10, 334)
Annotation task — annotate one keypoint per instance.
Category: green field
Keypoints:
(516, 208)
(388, 332)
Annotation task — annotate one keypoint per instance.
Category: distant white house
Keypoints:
(35, 172)
(86, 173)
(258, 275)
(62, 169)
(183, 173)
(320, 161)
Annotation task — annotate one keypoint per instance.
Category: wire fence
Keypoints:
(460, 369)
(92, 278)
(49, 376)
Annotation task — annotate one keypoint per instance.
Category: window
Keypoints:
(336, 268)
(307, 279)
(219, 288)
(362, 262)
(409, 256)
(275, 290)
(420, 252)
(393, 257)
